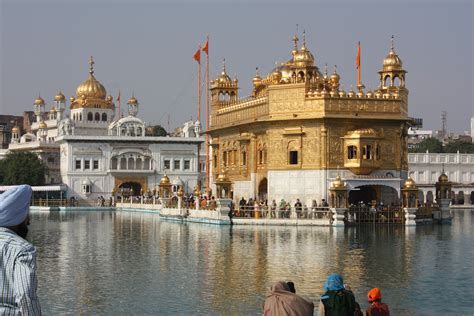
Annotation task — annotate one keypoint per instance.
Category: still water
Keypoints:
(133, 263)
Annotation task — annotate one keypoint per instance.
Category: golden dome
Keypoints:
(109, 98)
(180, 192)
(39, 101)
(409, 184)
(257, 80)
(223, 77)
(132, 100)
(303, 57)
(42, 125)
(91, 87)
(335, 78)
(165, 180)
(60, 97)
(15, 129)
(338, 183)
(443, 178)
(72, 99)
(54, 109)
(392, 61)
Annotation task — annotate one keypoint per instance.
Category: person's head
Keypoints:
(334, 283)
(14, 208)
(291, 286)
(374, 295)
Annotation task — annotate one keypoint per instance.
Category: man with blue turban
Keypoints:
(18, 257)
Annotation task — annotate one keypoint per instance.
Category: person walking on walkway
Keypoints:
(377, 308)
(336, 301)
(281, 301)
(18, 260)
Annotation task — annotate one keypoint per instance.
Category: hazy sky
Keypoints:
(146, 47)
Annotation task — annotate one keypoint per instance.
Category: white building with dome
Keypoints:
(95, 153)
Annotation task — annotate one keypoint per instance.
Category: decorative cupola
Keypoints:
(60, 105)
(39, 108)
(132, 106)
(223, 88)
(392, 75)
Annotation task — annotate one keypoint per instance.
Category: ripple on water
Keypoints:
(132, 263)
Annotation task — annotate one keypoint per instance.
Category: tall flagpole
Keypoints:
(207, 111)
(197, 57)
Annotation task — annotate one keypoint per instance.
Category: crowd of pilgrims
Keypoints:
(338, 300)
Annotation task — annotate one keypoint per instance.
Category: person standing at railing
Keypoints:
(18, 261)
(314, 206)
(273, 209)
(282, 208)
(298, 208)
(242, 204)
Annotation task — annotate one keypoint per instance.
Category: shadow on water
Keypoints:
(106, 262)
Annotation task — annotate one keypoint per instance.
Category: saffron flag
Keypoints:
(358, 56)
(205, 48)
(197, 55)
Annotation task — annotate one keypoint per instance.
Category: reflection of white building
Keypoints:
(425, 169)
(95, 154)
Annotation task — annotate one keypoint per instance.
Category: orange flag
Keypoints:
(197, 55)
(206, 47)
(358, 56)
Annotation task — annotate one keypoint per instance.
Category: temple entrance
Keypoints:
(365, 194)
(378, 193)
(130, 188)
(263, 189)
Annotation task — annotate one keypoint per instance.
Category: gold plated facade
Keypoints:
(299, 118)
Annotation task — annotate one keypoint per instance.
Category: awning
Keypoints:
(41, 188)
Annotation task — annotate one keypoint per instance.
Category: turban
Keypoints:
(374, 295)
(334, 283)
(14, 205)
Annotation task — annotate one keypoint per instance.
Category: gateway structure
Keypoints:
(299, 129)
(95, 152)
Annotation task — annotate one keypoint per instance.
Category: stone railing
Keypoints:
(241, 112)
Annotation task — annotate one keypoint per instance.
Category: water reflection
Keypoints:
(107, 262)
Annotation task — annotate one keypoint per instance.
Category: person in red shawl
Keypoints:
(377, 308)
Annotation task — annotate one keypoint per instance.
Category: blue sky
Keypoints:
(146, 48)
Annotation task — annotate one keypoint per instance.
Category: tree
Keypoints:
(156, 130)
(431, 144)
(463, 147)
(22, 168)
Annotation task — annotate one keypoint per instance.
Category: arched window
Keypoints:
(114, 163)
(367, 152)
(97, 116)
(80, 116)
(352, 152)
(123, 163)
(386, 81)
(131, 164)
(377, 152)
(396, 81)
(244, 158)
(89, 116)
(104, 117)
(139, 165)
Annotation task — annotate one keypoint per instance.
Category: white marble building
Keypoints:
(425, 169)
(96, 153)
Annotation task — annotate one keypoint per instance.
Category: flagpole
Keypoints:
(358, 66)
(199, 111)
(207, 113)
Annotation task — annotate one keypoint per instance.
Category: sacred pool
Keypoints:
(105, 262)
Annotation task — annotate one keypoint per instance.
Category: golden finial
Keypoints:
(91, 65)
(335, 69)
(223, 67)
(325, 70)
(392, 46)
(295, 45)
(304, 40)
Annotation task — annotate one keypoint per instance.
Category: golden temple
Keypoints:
(299, 128)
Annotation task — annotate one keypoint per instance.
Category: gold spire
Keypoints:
(91, 65)
(39, 100)
(223, 67)
(295, 45)
(392, 46)
(304, 41)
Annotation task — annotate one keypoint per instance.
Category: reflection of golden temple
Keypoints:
(299, 124)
